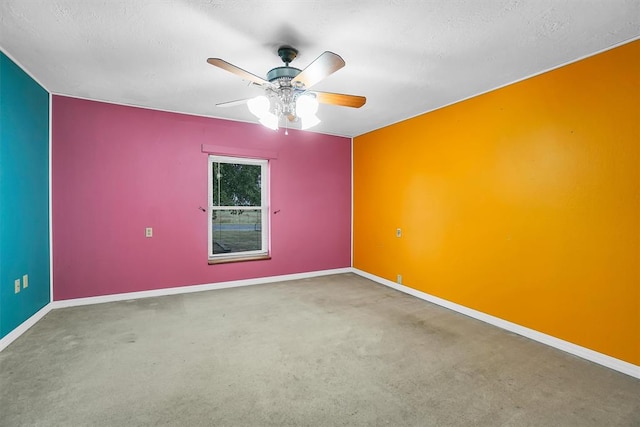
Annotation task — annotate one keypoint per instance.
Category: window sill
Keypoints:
(238, 259)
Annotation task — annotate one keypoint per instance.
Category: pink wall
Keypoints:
(117, 170)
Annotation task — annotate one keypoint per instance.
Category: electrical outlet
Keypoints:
(148, 232)
(398, 232)
(399, 279)
(16, 286)
(25, 281)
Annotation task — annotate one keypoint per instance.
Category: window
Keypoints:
(238, 209)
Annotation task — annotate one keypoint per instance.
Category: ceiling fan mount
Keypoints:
(288, 93)
(287, 54)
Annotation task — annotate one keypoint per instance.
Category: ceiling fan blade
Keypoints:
(324, 65)
(233, 103)
(341, 99)
(220, 63)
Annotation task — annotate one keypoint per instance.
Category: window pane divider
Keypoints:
(237, 208)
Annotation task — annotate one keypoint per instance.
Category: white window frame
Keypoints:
(264, 207)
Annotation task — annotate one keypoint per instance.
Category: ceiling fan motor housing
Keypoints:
(282, 75)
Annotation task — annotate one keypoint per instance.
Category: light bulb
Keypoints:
(306, 105)
(259, 106)
(309, 121)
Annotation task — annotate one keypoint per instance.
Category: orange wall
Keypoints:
(522, 203)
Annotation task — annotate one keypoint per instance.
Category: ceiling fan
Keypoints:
(287, 90)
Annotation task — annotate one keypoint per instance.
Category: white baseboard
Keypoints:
(194, 288)
(24, 326)
(576, 350)
(583, 352)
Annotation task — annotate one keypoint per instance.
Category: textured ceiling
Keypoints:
(406, 57)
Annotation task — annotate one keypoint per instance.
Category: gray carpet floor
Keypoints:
(329, 351)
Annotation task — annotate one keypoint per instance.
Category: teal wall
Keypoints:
(24, 195)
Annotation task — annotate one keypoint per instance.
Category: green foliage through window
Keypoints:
(236, 184)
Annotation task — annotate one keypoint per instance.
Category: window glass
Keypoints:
(238, 207)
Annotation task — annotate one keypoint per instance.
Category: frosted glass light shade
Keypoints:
(306, 106)
(259, 106)
(269, 120)
(309, 121)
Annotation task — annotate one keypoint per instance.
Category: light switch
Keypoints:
(148, 232)
(16, 286)
(25, 281)
(398, 232)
